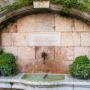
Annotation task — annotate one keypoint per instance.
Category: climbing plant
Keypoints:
(67, 4)
(21, 2)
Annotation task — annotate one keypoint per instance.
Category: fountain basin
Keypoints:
(43, 77)
(20, 82)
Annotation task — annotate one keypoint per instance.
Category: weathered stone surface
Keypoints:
(79, 25)
(38, 66)
(10, 50)
(86, 27)
(84, 15)
(62, 23)
(73, 24)
(4, 30)
(25, 65)
(26, 24)
(52, 67)
(4, 3)
(65, 66)
(48, 50)
(44, 22)
(12, 28)
(70, 39)
(20, 39)
(6, 39)
(81, 51)
(64, 53)
(85, 39)
(26, 53)
(41, 4)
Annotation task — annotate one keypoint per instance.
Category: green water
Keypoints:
(43, 77)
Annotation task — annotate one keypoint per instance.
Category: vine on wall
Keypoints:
(21, 2)
(67, 4)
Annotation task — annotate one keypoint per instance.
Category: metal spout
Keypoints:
(43, 56)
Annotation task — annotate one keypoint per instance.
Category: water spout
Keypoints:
(43, 56)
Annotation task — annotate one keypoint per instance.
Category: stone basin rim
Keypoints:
(57, 83)
(18, 83)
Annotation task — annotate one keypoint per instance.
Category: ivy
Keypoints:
(21, 2)
(55, 1)
(67, 4)
(65, 11)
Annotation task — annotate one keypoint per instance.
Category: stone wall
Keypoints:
(75, 41)
(4, 3)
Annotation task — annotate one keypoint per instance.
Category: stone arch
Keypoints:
(27, 65)
(21, 11)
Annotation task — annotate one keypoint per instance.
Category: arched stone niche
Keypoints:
(74, 39)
